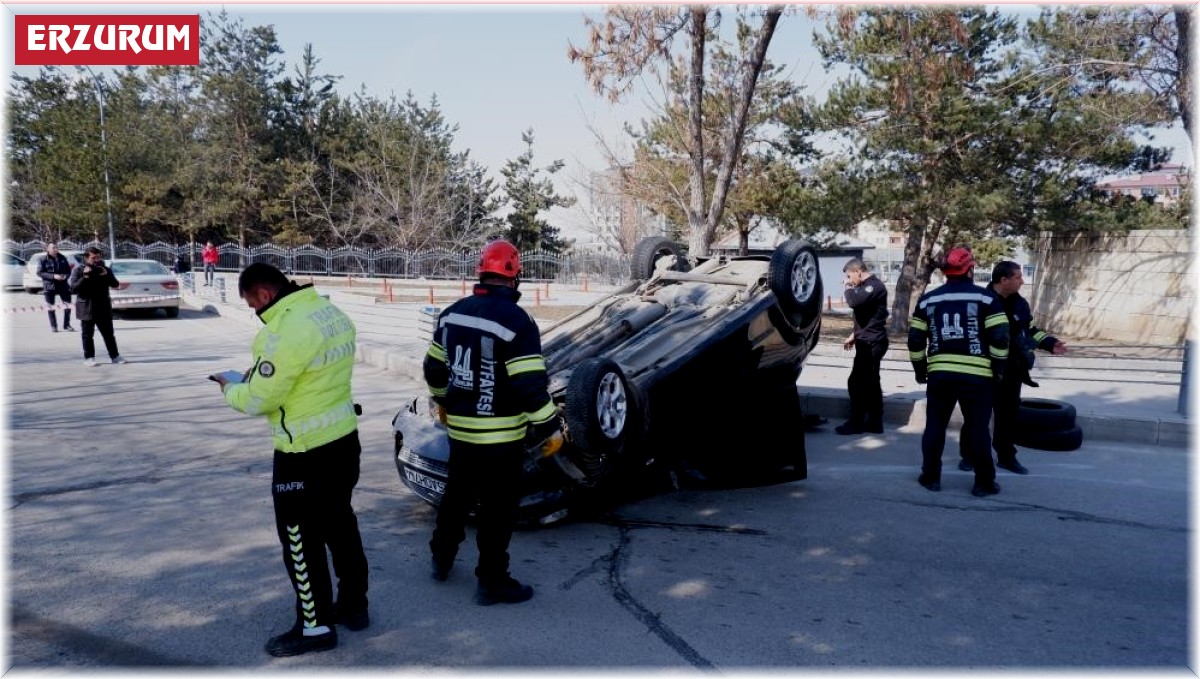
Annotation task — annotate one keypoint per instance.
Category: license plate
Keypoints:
(426, 482)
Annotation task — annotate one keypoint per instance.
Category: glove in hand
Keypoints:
(552, 444)
(921, 374)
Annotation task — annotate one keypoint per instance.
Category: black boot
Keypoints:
(440, 570)
(293, 642)
(982, 489)
(355, 621)
(849, 428)
(504, 591)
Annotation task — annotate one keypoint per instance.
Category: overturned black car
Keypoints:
(683, 368)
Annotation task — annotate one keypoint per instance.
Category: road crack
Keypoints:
(613, 564)
(1063, 514)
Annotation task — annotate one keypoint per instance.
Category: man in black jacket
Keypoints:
(90, 282)
(1024, 337)
(54, 270)
(486, 374)
(867, 297)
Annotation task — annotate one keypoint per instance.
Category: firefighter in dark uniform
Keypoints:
(958, 345)
(1024, 337)
(867, 298)
(488, 379)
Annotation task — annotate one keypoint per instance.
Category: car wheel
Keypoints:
(795, 278)
(172, 311)
(1062, 440)
(600, 414)
(1044, 414)
(649, 250)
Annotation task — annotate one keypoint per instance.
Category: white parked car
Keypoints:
(13, 271)
(151, 283)
(32, 282)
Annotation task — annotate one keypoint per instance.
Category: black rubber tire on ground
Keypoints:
(172, 311)
(1045, 415)
(649, 250)
(1062, 440)
(601, 416)
(795, 278)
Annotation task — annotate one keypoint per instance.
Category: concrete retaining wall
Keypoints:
(1135, 288)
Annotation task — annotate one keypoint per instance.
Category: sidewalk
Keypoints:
(1121, 399)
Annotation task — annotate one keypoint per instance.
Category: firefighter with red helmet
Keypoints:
(487, 377)
(958, 346)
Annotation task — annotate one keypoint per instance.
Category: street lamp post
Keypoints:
(112, 243)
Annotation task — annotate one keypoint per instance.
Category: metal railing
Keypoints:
(435, 263)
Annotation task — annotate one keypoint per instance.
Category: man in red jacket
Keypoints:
(209, 256)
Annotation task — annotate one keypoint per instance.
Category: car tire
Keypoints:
(1045, 415)
(172, 311)
(600, 416)
(795, 278)
(649, 250)
(1062, 440)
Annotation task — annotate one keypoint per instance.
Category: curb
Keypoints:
(834, 404)
(1096, 426)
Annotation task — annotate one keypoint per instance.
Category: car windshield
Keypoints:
(139, 269)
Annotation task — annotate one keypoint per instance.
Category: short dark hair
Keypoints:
(1004, 270)
(261, 274)
(855, 264)
(93, 250)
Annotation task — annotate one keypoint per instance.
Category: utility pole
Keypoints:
(112, 243)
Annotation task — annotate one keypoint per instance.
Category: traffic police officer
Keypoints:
(958, 345)
(300, 381)
(486, 374)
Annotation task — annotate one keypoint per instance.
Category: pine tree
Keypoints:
(529, 195)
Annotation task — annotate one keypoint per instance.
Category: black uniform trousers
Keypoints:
(1006, 402)
(311, 491)
(866, 394)
(490, 475)
(87, 333)
(973, 395)
(66, 299)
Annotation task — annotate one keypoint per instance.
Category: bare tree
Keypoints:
(632, 40)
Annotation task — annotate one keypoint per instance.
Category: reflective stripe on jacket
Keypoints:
(960, 328)
(485, 367)
(300, 380)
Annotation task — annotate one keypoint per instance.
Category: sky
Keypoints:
(496, 70)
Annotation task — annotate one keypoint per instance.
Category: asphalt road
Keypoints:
(140, 535)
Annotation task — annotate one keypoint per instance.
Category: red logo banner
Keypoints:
(107, 39)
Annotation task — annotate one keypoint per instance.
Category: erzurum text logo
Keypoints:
(107, 40)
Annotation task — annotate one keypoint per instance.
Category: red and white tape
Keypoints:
(118, 302)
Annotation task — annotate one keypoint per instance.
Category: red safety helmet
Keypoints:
(959, 262)
(500, 258)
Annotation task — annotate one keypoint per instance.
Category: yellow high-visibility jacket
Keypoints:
(303, 363)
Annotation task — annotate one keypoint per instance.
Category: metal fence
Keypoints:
(435, 263)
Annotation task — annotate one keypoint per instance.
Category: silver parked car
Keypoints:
(13, 271)
(679, 364)
(145, 284)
